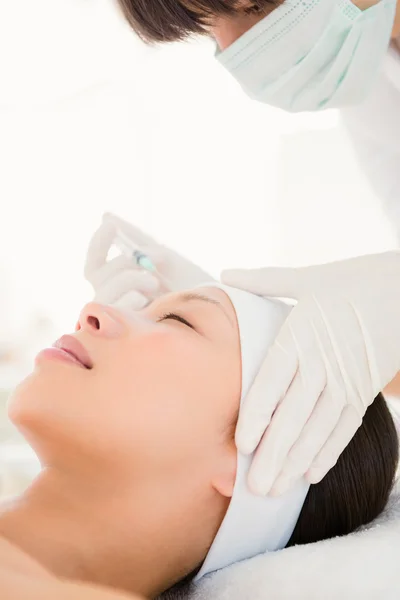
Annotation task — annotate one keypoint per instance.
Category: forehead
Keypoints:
(218, 295)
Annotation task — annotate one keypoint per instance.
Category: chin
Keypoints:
(47, 408)
(35, 410)
(34, 399)
(18, 398)
(46, 392)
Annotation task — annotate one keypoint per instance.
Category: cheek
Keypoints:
(175, 395)
(182, 398)
(364, 4)
(227, 31)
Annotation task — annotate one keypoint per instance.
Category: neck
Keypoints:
(68, 534)
(48, 525)
(85, 537)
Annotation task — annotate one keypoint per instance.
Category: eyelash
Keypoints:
(175, 317)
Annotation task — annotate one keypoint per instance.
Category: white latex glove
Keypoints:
(338, 348)
(121, 282)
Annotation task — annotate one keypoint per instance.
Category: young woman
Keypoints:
(133, 419)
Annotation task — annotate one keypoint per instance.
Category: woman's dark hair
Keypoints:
(357, 488)
(354, 492)
(173, 20)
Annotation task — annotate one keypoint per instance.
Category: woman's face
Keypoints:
(163, 390)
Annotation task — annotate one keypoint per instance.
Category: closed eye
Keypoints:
(175, 317)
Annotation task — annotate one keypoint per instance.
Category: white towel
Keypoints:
(364, 565)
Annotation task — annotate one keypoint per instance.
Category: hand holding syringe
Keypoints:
(127, 248)
(120, 282)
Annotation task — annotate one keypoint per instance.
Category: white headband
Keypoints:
(254, 524)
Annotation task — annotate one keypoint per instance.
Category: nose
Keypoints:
(101, 320)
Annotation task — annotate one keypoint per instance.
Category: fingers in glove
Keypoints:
(132, 300)
(341, 436)
(145, 243)
(109, 269)
(125, 281)
(285, 428)
(134, 233)
(98, 249)
(271, 384)
(316, 431)
(158, 257)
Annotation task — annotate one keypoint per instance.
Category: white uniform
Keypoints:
(374, 129)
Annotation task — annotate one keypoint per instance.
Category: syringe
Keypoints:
(125, 245)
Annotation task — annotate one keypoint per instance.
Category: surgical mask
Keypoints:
(309, 55)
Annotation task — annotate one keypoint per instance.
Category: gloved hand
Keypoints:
(122, 282)
(338, 348)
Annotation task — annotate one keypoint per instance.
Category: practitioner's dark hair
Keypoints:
(357, 489)
(173, 20)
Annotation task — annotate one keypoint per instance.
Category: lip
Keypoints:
(70, 345)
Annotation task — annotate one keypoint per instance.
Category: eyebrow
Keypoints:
(192, 297)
